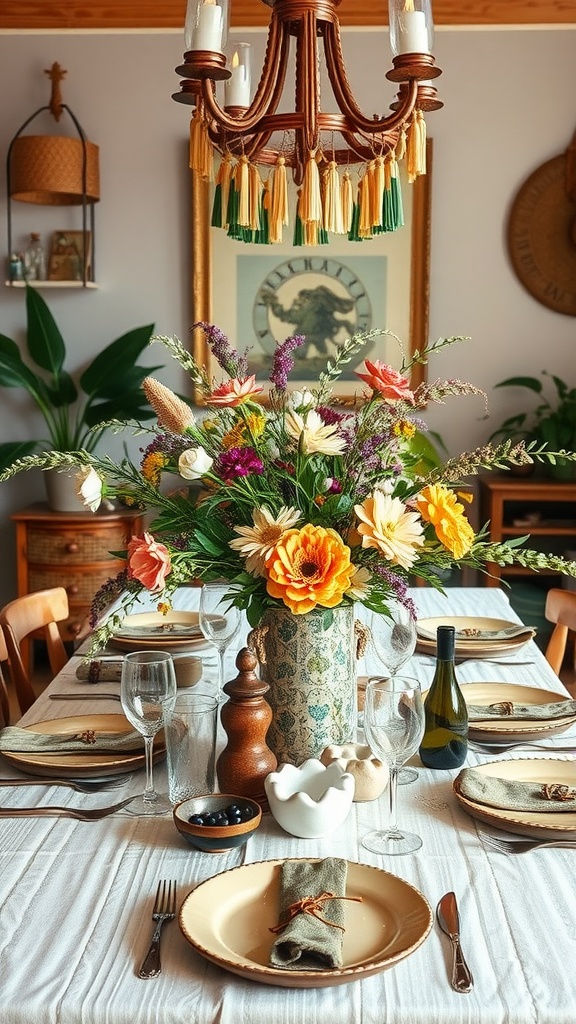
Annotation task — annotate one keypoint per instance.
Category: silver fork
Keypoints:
(92, 814)
(511, 846)
(164, 910)
(502, 748)
(80, 787)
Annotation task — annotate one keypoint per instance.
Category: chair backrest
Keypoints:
(561, 610)
(4, 701)
(38, 612)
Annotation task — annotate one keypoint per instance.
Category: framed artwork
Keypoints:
(66, 258)
(261, 294)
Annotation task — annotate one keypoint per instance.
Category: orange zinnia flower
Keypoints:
(309, 567)
(438, 505)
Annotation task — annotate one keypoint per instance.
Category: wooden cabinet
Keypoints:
(70, 550)
(540, 507)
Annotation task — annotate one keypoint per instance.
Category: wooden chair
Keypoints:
(4, 701)
(37, 613)
(560, 609)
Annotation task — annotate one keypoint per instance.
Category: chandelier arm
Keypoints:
(343, 93)
(270, 86)
(307, 85)
(365, 152)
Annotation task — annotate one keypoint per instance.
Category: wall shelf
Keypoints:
(51, 284)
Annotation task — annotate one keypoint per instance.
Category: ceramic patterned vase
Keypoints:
(310, 668)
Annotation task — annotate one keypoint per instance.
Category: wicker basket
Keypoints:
(47, 170)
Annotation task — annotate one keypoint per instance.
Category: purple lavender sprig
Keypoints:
(283, 363)
(231, 361)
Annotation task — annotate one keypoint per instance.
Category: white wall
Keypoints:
(509, 106)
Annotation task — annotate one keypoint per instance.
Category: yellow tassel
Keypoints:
(332, 206)
(377, 185)
(223, 178)
(311, 201)
(364, 225)
(416, 146)
(400, 151)
(388, 172)
(278, 200)
(201, 154)
(242, 184)
(255, 193)
(347, 202)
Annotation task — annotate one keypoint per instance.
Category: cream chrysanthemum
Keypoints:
(386, 524)
(257, 542)
(313, 435)
(359, 587)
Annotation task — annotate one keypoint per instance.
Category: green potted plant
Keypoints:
(75, 414)
(552, 422)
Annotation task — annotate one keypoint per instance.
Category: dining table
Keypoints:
(76, 898)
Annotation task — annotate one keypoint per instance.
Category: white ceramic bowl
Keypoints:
(310, 801)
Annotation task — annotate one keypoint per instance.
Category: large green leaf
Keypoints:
(13, 370)
(116, 359)
(12, 450)
(127, 407)
(521, 382)
(65, 393)
(45, 343)
(130, 381)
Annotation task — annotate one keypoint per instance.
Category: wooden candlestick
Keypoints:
(246, 759)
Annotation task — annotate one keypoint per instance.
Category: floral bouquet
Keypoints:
(297, 502)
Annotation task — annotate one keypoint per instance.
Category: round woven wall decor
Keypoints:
(47, 170)
(542, 235)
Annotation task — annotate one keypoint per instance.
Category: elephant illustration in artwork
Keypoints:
(313, 314)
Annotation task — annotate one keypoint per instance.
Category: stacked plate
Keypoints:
(502, 730)
(174, 632)
(475, 637)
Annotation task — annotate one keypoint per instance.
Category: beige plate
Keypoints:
(228, 919)
(79, 766)
(176, 631)
(478, 649)
(472, 630)
(552, 825)
(502, 731)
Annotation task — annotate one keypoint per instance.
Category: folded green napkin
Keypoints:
(310, 941)
(515, 796)
(509, 711)
(89, 741)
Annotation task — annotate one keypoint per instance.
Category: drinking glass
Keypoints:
(394, 726)
(219, 621)
(147, 692)
(393, 640)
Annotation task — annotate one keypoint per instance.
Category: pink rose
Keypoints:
(235, 391)
(388, 381)
(149, 562)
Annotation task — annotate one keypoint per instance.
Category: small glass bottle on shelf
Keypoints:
(445, 741)
(35, 259)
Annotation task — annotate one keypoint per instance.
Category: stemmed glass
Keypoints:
(394, 726)
(148, 692)
(393, 640)
(219, 621)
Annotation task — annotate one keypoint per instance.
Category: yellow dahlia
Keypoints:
(152, 466)
(257, 542)
(309, 567)
(438, 505)
(386, 524)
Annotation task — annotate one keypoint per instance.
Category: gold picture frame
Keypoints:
(416, 257)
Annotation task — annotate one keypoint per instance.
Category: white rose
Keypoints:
(89, 488)
(194, 463)
(301, 401)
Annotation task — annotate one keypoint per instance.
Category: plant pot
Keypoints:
(310, 668)
(61, 491)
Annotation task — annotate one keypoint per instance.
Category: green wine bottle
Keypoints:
(445, 740)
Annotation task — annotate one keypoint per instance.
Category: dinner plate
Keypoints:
(550, 825)
(176, 631)
(501, 730)
(228, 920)
(477, 649)
(79, 765)
(473, 630)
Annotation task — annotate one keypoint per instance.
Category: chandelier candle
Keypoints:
(445, 740)
(209, 26)
(237, 88)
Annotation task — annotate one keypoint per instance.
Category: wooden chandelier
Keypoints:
(310, 141)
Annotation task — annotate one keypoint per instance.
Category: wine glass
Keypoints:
(393, 640)
(219, 621)
(394, 726)
(148, 692)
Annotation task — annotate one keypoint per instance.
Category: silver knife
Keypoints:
(449, 921)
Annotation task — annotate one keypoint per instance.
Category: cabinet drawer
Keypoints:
(47, 547)
(80, 586)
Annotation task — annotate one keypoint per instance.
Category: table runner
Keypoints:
(76, 900)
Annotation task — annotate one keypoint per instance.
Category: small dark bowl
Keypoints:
(215, 838)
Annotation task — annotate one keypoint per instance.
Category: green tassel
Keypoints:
(216, 221)
(232, 212)
(298, 231)
(397, 202)
(353, 235)
(262, 235)
(388, 219)
(322, 238)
